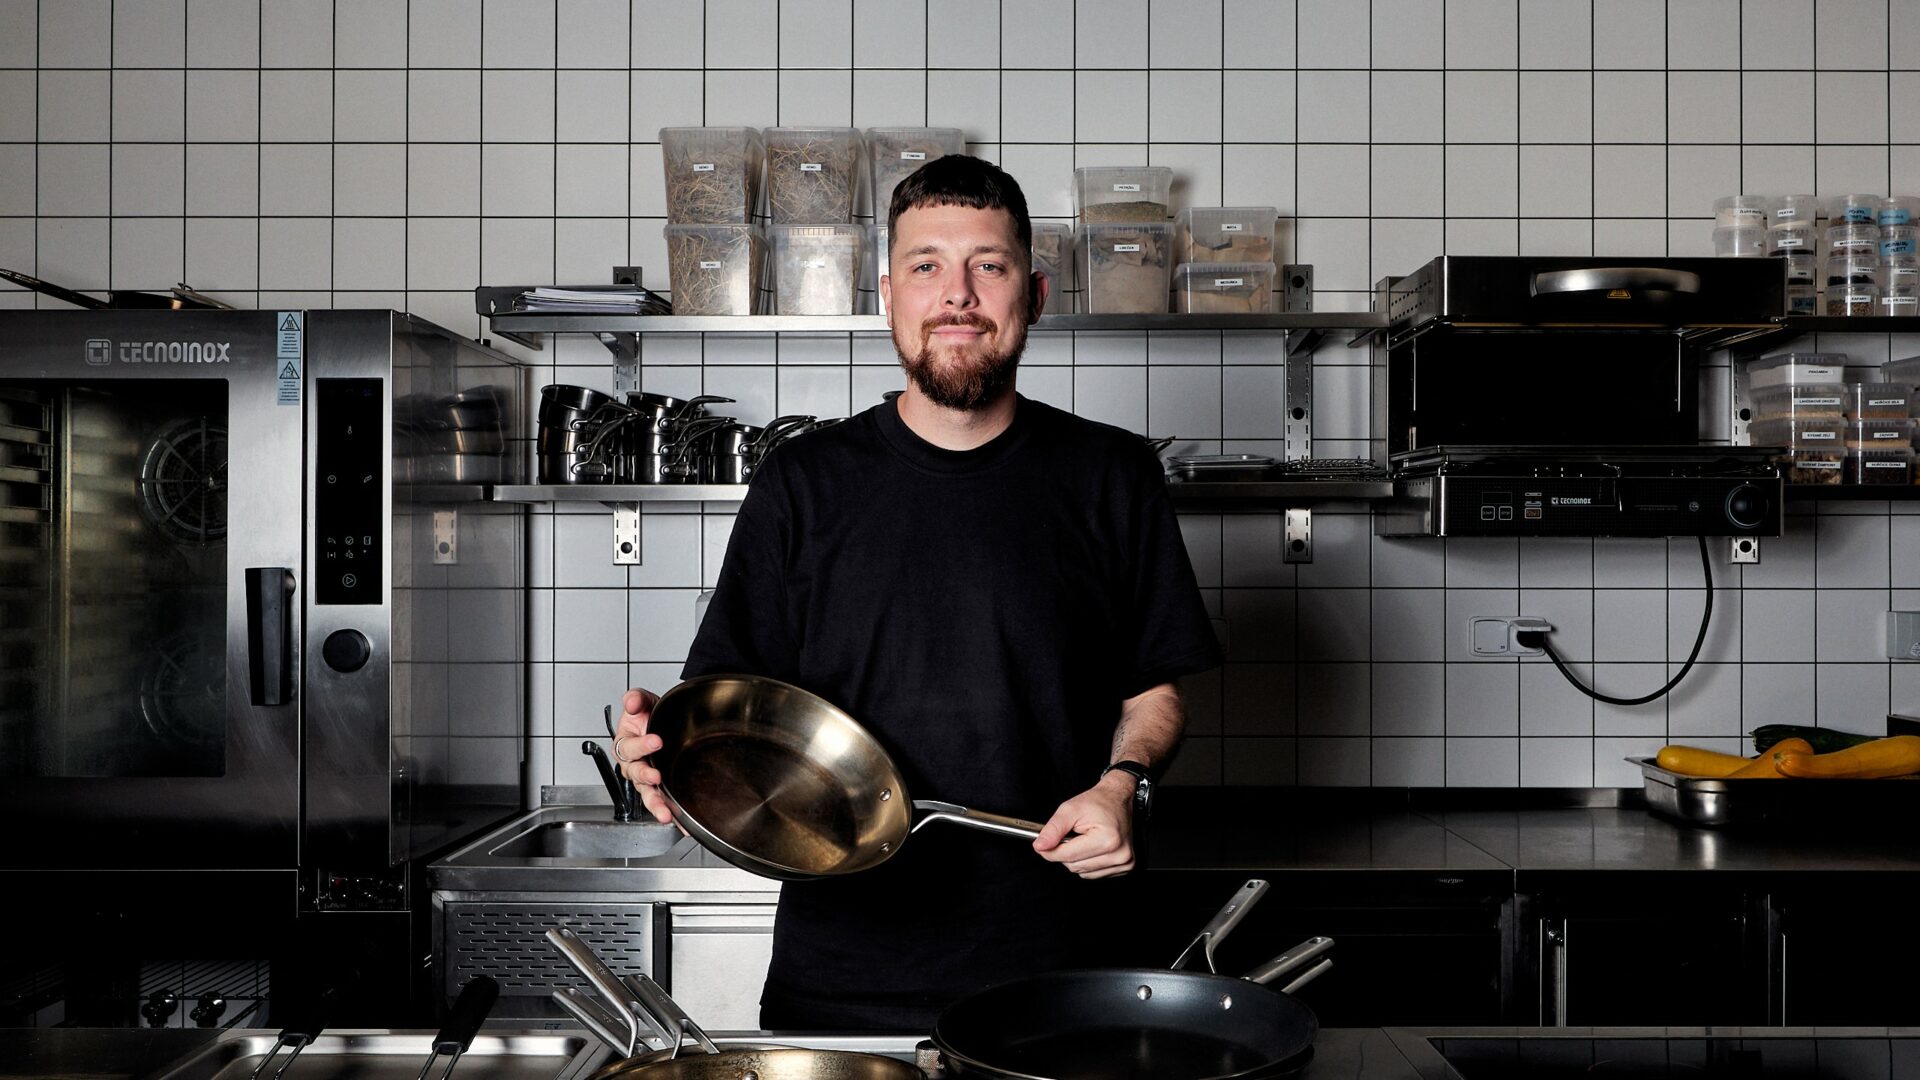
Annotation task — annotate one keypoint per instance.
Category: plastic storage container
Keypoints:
(1897, 271)
(1894, 433)
(1125, 268)
(1053, 256)
(1900, 210)
(1738, 210)
(1855, 210)
(1225, 234)
(715, 269)
(1852, 300)
(1223, 288)
(872, 265)
(712, 174)
(1880, 401)
(1740, 242)
(1790, 236)
(1881, 466)
(1853, 270)
(1794, 368)
(1116, 193)
(1899, 301)
(1815, 450)
(1905, 370)
(1793, 208)
(893, 153)
(812, 175)
(1851, 240)
(816, 268)
(1801, 268)
(1800, 402)
(1898, 239)
(1803, 300)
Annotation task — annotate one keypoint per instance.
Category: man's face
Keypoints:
(960, 294)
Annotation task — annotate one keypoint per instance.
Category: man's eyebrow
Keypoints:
(980, 249)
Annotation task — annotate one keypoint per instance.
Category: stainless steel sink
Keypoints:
(591, 840)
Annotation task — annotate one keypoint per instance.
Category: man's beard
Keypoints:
(971, 384)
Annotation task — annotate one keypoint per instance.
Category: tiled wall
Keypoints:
(399, 152)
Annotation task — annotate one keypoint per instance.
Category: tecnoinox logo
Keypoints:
(101, 352)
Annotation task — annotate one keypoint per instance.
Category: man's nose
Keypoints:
(957, 291)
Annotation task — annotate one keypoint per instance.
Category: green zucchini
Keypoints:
(1824, 740)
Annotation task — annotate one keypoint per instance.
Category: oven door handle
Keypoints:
(270, 634)
(1606, 279)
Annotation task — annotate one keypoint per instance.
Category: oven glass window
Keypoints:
(113, 577)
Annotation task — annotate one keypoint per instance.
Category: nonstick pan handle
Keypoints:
(974, 819)
(1223, 923)
(1292, 959)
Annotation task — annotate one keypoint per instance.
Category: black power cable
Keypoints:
(1537, 639)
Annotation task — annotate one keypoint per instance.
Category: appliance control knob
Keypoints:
(346, 650)
(1747, 506)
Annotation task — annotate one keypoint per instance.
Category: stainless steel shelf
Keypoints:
(619, 493)
(534, 322)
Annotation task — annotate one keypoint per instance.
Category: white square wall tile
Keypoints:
(1556, 181)
(443, 179)
(516, 180)
(1483, 106)
(673, 34)
(1333, 182)
(369, 34)
(1629, 34)
(296, 253)
(369, 252)
(1630, 181)
(1250, 552)
(1541, 236)
(1556, 106)
(1482, 34)
(1408, 699)
(370, 106)
(889, 35)
(1407, 107)
(1335, 762)
(1704, 107)
(1852, 107)
(520, 33)
(1186, 400)
(221, 179)
(443, 33)
(1850, 625)
(1483, 181)
(223, 253)
(147, 252)
(1853, 552)
(591, 106)
(296, 106)
(1550, 705)
(1260, 33)
(1706, 704)
(1257, 106)
(659, 623)
(442, 253)
(1483, 762)
(1333, 106)
(1777, 106)
(1851, 168)
(516, 249)
(1777, 694)
(149, 106)
(1334, 699)
(1777, 625)
(1110, 106)
(1704, 33)
(1258, 176)
(74, 179)
(223, 33)
(75, 106)
(1109, 34)
(1408, 34)
(1185, 106)
(158, 27)
(1408, 625)
(1777, 33)
(367, 179)
(661, 99)
(1696, 175)
(1409, 762)
(517, 106)
(1184, 34)
(1852, 697)
(1629, 106)
(1037, 124)
(1406, 182)
(222, 106)
(1402, 245)
(1556, 34)
(443, 106)
(1333, 33)
(1482, 699)
(595, 33)
(1629, 624)
(1556, 763)
(1850, 34)
(296, 179)
(592, 180)
(1336, 247)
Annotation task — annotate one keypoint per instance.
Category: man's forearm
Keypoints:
(1151, 724)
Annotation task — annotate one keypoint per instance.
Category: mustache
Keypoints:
(970, 320)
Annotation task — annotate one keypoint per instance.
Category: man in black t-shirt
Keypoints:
(997, 589)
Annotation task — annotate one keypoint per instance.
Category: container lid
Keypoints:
(708, 230)
(810, 232)
(1096, 230)
(1832, 360)
(1215, 216)
(1227, 270)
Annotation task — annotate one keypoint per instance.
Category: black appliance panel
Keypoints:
(350, 518)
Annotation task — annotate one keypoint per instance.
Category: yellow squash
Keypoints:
(1693, 761)
(1895, 756)
(1767, 766)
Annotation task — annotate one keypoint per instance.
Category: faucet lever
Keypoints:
(618, 786)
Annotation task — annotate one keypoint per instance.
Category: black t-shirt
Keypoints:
(984, 613)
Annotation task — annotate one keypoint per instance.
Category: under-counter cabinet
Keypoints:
(1843, 952)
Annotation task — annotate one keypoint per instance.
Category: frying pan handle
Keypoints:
(1313, 973)
(668, 1017)
(1291, 959)
(589, 964)
(593, 1015)
(1223, 923)
(974, 819)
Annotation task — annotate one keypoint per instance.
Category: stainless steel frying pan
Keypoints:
(781, 783)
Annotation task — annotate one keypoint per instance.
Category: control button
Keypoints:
(1747, 506)
(1532, 513)
(346, 650)
(1506, 513)
(348, 581)
(1486, 513)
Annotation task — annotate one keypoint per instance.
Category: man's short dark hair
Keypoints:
(960, 180)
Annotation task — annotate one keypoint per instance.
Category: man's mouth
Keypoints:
(958, 329)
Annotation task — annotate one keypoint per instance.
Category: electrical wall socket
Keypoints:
(1498, 635)
(1903, 635)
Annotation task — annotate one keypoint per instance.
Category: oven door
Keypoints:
(150, 528)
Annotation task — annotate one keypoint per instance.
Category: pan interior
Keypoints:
(783, 777)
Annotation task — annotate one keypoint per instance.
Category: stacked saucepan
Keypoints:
(590, 437)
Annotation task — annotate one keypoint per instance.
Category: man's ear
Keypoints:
(1039, 285)
(885, 285)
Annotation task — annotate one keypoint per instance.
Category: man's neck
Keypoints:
(955, 429)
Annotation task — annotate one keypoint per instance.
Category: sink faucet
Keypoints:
(618, 786)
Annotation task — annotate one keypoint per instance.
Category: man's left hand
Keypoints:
(1092, 833)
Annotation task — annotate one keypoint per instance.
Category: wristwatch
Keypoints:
(1142, 784)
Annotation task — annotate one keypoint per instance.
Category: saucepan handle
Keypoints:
(1223, 923)
(1291, 960)
(974, 819)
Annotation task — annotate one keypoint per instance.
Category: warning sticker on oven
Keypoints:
(289, 332)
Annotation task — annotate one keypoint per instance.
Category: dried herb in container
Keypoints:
(1225, 234)
(811, 174)
(1125, 268)
(712, 174)
(1110, 193)
(893, 154)
(816, 268)
(715, 269)
(1223, 288)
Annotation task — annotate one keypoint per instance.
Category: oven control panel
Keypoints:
(349, 478)
(1609, 506)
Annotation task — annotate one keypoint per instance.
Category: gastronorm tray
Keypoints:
(387, 1055)
(1716, 802)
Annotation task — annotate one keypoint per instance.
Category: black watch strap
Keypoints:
(1142, 782)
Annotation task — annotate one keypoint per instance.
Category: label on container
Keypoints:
(814, 264)
(1785, 213)
(1888, 435)
(704, 166)
(1819, 436)
(1899, 305)
(1815, 401)
(1228, 282)
(913, 155)
(809, 166)
(1896, 247)
(1126, 247)
(1833, 465)
(1232, 226)
(1741, 215)
(1858, 215)
(1126, 187)
(710, 264)
(1876, 402)
(1800, 305)
(1895, 215)
(1786, 241)
(1884, 464)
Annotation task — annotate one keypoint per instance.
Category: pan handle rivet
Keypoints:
(885, 794)
(886, 847)
(1226, 1001)
(1144, 993)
